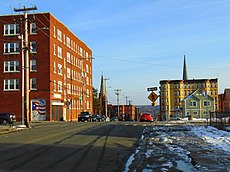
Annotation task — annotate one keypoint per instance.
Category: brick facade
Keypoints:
(60, 69)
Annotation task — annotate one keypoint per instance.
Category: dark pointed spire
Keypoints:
(185, 75)
(102, 89)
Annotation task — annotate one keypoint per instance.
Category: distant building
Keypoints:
(224, 101)
(172, 93)
(197, 105)
(60, 69)
(126, 112)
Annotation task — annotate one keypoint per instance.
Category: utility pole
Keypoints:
(117, 92)
(126, 100)
(106, 99)
(26, 52)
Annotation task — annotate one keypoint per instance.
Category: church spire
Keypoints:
(185, 75)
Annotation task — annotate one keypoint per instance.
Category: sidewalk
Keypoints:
(4, 129)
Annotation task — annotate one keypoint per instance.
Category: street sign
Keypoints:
(152, 96)
(152, 89)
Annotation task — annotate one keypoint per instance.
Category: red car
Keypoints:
(146, 117)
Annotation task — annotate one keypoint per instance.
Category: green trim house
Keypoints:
(198, 105)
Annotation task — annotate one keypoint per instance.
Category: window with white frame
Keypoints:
(59, 86)
(12, 47)
(33, 47)
(68, 41)
(33, 28)
(55, 85)
(59, 52)
(11, 84)
(68, 72)
(11, 66)
(59, 69)
(68, 88)
(33, 65)
(54, 67)
(11, 29)
(193, 103)
(54, 32)
(81, 52)
(87, 68)
(68, 57)
(33, 83)
(207, 103)
(59, 35)
(55, 49)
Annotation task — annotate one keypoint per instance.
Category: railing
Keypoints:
(220, 120)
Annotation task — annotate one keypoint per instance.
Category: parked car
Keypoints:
(96, 118)
(104, 118)
(7, 118)
(85, 117)
(176, 118)
(146, 117)
(114, 119)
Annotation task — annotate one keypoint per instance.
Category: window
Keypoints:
(69, 88)
(59, 86)
(11, 66)
(68, 57)
(11, 29)
(59, 69)
(193, 103)
(68, 72)
(11, 84)
(59, 52)
(12, 47)
(59, 35)
(54, 67)
(87, 68)
(33, 28)
(55, 49)
(33, 47)
(68, 41)
(33, 66)
(54, 32)
(33, 84)
(54, 85)
(207, 103)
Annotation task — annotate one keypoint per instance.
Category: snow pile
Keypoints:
(218, 138)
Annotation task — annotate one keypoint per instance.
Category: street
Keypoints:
(115, 146)
(60, 146)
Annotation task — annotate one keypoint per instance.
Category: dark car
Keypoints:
(85, 117)
(146, 117)
(96, 118)
(7, 118)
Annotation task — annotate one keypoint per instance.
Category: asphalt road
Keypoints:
(67, 147)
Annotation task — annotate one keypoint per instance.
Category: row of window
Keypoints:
(71, 89)
(13, 29)
(13, 84)
(70, 43)
(13, 66)
(70, 58)
(71, 74)
(13, 47)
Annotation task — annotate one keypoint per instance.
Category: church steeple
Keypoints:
(185, 75)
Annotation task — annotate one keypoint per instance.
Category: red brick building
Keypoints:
(224, 101)
(60, 68)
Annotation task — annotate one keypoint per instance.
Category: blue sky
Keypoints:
(138, 43)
